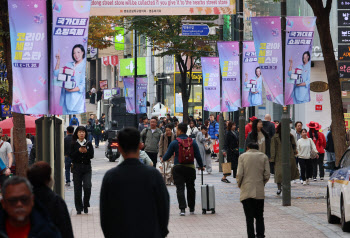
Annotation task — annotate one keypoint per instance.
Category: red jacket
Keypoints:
(248, 128)
(320, 143)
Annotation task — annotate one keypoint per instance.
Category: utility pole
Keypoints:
(135, 75)
(241, 110)
(221, 118)
(286, 174)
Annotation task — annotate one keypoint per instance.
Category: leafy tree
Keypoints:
(101, 28)
(165, 34)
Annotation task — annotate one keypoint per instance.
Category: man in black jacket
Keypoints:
(268, 126)
(67, 158)
(137, 205)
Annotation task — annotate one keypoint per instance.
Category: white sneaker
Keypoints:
(301, 181)
(205, 172)
(294, 181)
(304, 183)
(307, 181)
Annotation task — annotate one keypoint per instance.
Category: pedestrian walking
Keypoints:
(67, 158)
(330, 151)
(249, 126)
(133, 206)
(81, 154)
(97, 133)
(103, 119)
(184, 171)
(19, 217)
(213, 129)
(74, 121)
(268, 126)
(39, 176)
(321, 143)
(150, 137)
(144, 123)
(192, 130)
(99, 95)
(231, 148)
(89, 129)
(93, 95)
(276, 158)
(7, 158)
(204, 141)
(252, 174)
(164, 143)
(162, 126)
(144, 159)
(92, 119)
(297, 135)
(259, 136)
(304, 147)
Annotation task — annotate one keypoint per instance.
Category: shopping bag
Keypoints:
(226, 168)
(216, 147)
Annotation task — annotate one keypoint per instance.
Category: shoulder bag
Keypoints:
(313, 154)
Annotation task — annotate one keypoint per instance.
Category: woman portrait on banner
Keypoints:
(143, 103)
(73, 100)
(300, 77)
(254, 85)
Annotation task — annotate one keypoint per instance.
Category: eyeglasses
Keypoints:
(25, 200)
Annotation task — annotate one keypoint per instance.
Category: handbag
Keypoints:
(216, 147)
(313, 154)
(207, 149)
(226, 168)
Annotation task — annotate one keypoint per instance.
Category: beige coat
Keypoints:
(169, 164)
(252, 174)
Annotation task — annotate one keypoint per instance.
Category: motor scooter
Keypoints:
(112, 152)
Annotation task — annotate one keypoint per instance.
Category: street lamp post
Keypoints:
(241, 110)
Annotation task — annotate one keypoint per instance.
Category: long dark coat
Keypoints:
(231, 148)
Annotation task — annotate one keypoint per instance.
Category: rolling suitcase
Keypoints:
(208, 197)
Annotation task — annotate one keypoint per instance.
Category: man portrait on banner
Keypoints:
(300, 77)
(254, 85)
(73, 100)
(143, 103)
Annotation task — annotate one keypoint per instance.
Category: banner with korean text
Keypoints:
(28, 32)
(211, 83)
(141, 95)
(299, 40)
(231, 85)
(69, 51)
(252, 83)
(267, 40)
(129, 93)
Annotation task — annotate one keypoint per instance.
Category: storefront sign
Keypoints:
(129, 93)
(230, 71)
(211, 83)
(6, 111)
(343, 35)
(267, 40)
(105, 60)
(113, 60)
(319, 86)
(127, 66)
(91, 52)
(344, 69)
(343, 4)
(119, 38)
(28, 32)
(344, 53)
(344, 18)
(69, 51)
(318, 108)
(299, 39)
(141, 95)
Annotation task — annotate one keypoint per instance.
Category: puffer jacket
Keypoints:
(213, 129)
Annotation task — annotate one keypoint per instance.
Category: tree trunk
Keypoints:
(323, 27)
(19, 130)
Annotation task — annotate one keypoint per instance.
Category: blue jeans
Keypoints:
(330, 158)
(90, 137)
(67, 165)
(97, 139)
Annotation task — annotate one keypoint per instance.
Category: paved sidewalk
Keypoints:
(305, 218)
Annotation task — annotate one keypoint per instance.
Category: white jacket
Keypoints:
(304, 148)
(191, 131)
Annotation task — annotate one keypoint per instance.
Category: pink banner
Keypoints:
(211, 83)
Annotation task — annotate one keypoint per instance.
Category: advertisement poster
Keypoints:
(252, 77)
(6, 111)
(28, 31)
(179, 107)
(107, 94)
(127, 66)
(129, 93)
(69, 51)
(211, 83)
(141, 95)
(229, 65)
(299, 39)
(267, 41)
(119, 38)
(103, 84)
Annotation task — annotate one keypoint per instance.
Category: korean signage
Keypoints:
(211, 83)
(119, 38)
(343, 35)
(6, 111)
(162, 7)
(344, 53)
(127, 66)
(344, 18)
(344, 69)
(28, 32)
(343, 4)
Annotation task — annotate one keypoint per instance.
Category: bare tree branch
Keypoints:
(328, 6)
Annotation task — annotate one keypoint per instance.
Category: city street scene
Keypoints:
(194, 118)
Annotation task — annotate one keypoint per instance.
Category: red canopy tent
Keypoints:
(7, 125)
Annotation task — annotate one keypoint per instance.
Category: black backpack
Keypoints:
(74, 121)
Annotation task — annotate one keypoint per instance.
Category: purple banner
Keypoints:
(299, 40)
(252, 77)
(129, 94)
(28, 32)
(211, 83)
(267, 40)
(69, 50)
(141, 95)
(229, 65)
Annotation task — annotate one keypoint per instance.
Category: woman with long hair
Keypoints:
(81, 154)
(276, 157)
(203, 140)
(231, 147)
(192, 130)
(259, 136)
(165, 139)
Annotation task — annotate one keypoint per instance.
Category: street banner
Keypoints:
(69, 51)
(211, 83)
(6, 111)
(179, 107)
(129, 93)
(113, 60)
(104, 84)
(230, 71)
(252, 78)
(299, 39)
(28, 32)
(105, 60)
(141, 95)
(267, 41)
(119, 38)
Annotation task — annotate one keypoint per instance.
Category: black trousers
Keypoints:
(185, 175)
(305, 168)
(82, 180)
(153, 157)
(318, 162)
(254, 208)
(272, 167)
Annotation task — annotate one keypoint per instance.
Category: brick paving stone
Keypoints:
(305, 218)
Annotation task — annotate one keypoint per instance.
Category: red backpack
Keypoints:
(186, 152)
